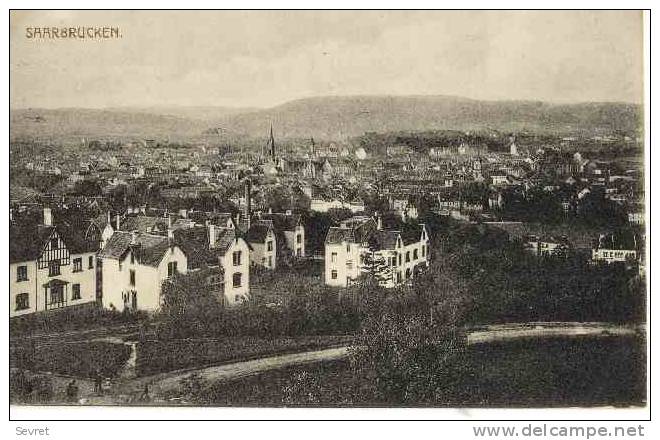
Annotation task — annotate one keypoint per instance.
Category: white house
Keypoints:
(222, 252)
(291, 228)
(352, 248)
(50, 267)
(263, 244)
(134, 266)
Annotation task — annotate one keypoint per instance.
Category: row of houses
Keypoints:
(121, 263)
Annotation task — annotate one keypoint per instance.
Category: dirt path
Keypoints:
(161, 385)
(494, 333)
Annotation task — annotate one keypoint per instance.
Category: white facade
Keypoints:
(129, 284)
(236, 265)
(345, 260)
(40, 287)
(295, 241)
(265, 253)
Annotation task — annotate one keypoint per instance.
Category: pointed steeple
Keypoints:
(271, 141)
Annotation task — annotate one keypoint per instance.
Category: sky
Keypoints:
(265, 58)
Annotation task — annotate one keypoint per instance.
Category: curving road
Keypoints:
(503, 332)
(125, 391)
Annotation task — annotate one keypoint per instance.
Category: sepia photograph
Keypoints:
(420, 209)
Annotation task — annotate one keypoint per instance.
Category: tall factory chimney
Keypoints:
(248, 202)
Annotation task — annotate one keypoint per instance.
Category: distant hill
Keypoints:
(75, 123)
(201, 113)
(341, 117)
(327, 118)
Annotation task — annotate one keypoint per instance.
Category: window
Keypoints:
(270, 261)
(415, 256)
(408, 257)
(22, 301)
(237, 279)
(75, 291)
(132, 276)
(348, 247)
(77, 264)
(54, 243)
(90, 262)
(171, 268)
(423, 250)
(349, 265)
(54, 268)
(298, 252)
(56, 295)
(333, 274)
(333, 257)
(399, 259)
(298, 238)
(236, 257)
(269, 245)
(21, 273)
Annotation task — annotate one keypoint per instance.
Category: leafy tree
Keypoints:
(188, 307)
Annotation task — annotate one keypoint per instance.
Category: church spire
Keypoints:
(271, 141)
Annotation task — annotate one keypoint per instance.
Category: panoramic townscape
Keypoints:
(346, 250)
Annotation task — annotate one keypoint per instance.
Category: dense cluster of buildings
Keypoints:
(116, 249)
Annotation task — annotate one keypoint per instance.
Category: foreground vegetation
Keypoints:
(553, 372)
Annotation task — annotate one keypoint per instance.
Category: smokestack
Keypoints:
(48, 217)
(248, 201)
(117, 222)
(211, 228)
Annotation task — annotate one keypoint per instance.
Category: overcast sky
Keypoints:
(266, 58)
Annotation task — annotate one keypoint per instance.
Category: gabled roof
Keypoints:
(149, 249)
(26, 242)
(338, 235)
(282, 221)
(411, 233)
(194, 242)
(353, 230)
(216, 218)
(258, 231)
(224, 238)
(145, 224)
(384, 239)
(75, 240)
